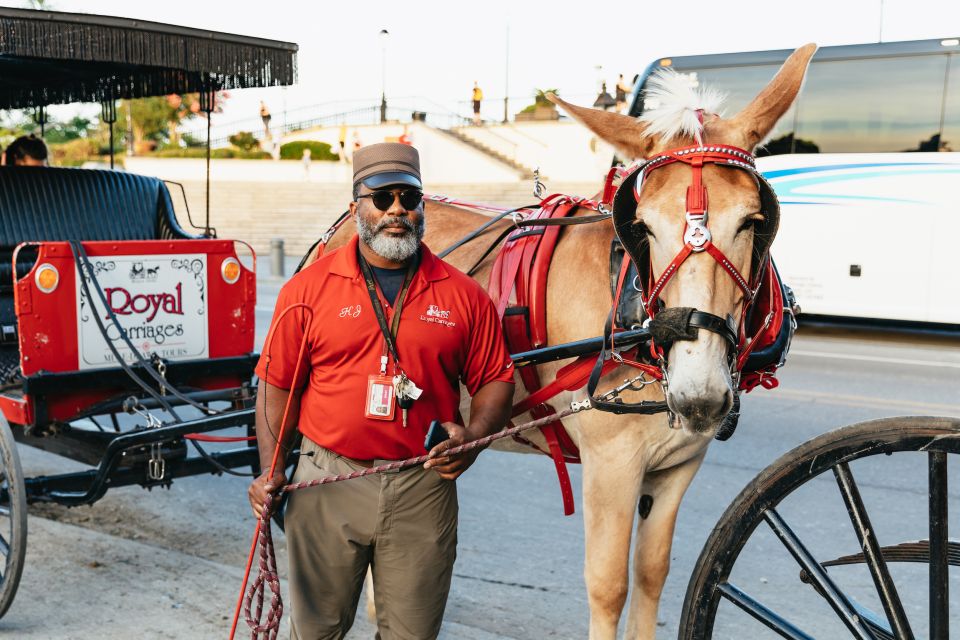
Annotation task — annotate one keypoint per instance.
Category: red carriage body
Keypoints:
(187, 302)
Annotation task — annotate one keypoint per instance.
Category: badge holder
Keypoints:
(381, 398)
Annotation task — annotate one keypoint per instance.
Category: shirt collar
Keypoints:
(345, 262)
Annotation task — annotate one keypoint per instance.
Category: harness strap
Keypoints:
(479, 231)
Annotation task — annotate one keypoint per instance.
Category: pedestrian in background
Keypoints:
(265, 116)
(342, 139)
(305, 159)
(477, 99)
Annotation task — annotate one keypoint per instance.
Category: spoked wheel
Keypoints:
(13, 517)
(798, 554)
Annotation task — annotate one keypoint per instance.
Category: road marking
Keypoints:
(865, 401)
(850, 356)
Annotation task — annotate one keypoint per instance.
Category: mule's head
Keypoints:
(700, 388)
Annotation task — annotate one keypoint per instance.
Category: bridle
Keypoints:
(697, 239)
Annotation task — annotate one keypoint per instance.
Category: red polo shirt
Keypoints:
(449, 333)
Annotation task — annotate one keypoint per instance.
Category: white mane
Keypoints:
(671, 104)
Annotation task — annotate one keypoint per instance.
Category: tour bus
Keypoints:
(866, 164)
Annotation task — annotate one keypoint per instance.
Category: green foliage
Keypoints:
(244, 141)
(154, 121)
(195, 152)
(540, 100)
(74, 153)
(73, 129)
(319, 151)
(540, 97)
(189, 141)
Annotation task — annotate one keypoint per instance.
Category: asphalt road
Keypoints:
(167, 563)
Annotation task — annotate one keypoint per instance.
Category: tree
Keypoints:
(155, 121)
(244, 141)
(540, 100)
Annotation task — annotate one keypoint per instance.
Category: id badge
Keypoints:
(380, 398)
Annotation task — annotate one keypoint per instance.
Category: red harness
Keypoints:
(762, 292)
(696, 235)
(518, 287)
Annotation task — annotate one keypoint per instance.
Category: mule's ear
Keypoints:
(626, 134)
(758, 118)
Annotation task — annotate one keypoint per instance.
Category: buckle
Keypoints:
(697, 235)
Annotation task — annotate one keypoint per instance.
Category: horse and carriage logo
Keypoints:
(436, 315)
(141, 273)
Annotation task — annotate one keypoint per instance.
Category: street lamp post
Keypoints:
(384, 34)
(506, 80)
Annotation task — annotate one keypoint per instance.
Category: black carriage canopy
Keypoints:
(49, 57)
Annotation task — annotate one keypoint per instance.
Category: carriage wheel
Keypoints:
(883, 587)
(13, 517)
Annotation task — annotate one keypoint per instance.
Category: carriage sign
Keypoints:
(159, 301)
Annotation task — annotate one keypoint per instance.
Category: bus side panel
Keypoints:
(868, 235)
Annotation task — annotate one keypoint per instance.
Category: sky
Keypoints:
(436, 50)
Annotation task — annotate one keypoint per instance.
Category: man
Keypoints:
(265, 117)
(389, 319)
(26, 151)
(622, 91)
(477, 98)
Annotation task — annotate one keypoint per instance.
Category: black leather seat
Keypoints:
(50, 204)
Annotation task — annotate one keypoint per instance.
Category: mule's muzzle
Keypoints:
(699, 414)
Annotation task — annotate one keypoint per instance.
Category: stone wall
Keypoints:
(299, 213)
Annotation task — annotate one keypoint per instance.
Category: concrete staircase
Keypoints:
(299, 213)
(522, 170)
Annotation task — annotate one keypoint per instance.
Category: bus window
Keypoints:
(871, 106)
(950, 141)
(741, 84)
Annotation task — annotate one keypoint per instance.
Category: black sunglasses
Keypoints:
(410, 199)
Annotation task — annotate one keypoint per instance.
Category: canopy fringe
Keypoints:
(130, 61)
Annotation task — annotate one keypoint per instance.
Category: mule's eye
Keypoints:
(643, 229)
(750, 222)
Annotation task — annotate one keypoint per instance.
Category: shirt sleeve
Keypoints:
(487, 356)
(278, 361)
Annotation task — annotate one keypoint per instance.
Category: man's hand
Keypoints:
(262, 487)
(450, 467)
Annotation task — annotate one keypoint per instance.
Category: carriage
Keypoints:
(126, 339)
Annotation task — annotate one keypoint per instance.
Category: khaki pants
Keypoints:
(402, 524)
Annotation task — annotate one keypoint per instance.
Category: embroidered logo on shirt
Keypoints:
(436, 315)
(350, 311)
(436, 312)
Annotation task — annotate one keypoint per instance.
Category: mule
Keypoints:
(628, 456)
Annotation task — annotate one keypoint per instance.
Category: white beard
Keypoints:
(393, 248)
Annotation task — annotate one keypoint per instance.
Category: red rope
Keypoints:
(268, 566)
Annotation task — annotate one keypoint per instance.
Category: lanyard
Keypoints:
(389, 334)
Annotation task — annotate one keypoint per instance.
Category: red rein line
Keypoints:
(262, 535)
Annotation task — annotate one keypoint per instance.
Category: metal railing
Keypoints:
(367, 112)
